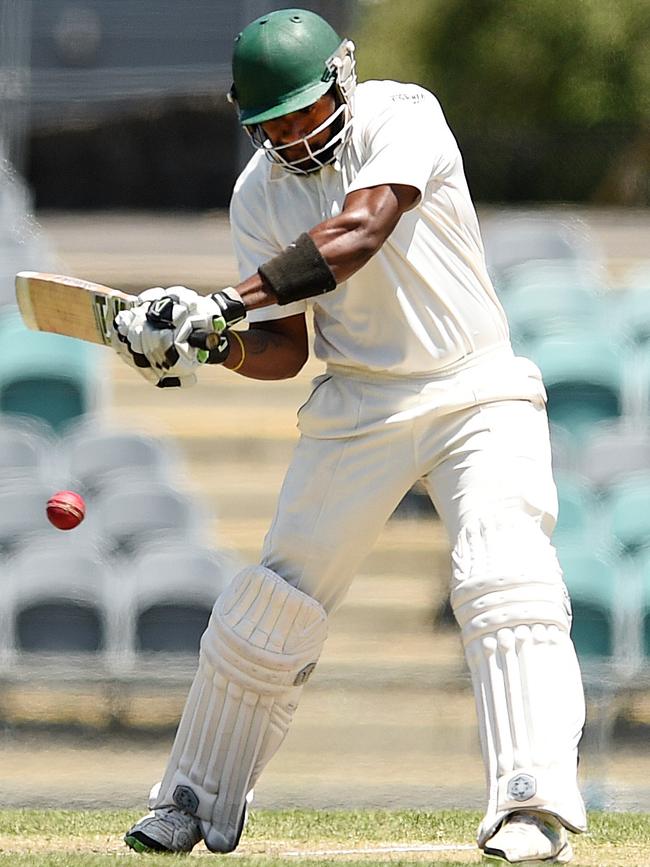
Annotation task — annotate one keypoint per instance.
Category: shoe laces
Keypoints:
(177, 818)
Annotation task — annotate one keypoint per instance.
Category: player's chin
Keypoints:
(303, 163)
(296, 156)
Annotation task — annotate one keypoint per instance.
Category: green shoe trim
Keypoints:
(137, 845)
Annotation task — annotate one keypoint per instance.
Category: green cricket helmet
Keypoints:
(286, 61)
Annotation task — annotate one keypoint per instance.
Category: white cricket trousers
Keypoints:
(477, 435)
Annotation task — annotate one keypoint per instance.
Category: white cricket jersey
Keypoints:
(424, 301)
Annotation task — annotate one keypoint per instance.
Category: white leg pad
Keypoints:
(513, 609)
(261, 644)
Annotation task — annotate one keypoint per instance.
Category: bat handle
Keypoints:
(204, 339)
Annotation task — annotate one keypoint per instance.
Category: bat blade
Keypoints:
(80, 308)
(69, 306)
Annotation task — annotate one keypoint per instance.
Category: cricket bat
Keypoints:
(79, 308)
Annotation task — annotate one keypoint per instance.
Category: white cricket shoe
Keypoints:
(164, 830)
(529, 838)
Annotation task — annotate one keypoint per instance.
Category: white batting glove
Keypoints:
(131, 330)
(159, 331)
(127, 340)
(180, 313)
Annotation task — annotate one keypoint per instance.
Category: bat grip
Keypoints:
(204, 339)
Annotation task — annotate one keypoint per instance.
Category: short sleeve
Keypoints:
(253, 245)
(406, 140)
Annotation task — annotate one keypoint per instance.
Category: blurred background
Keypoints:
(118, 153)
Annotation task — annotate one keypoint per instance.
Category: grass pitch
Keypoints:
(54, 838)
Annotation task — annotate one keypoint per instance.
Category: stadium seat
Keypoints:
(614, 450)
(59, 626)
(61, 599)
(638, 385)
(643, 566)
(24, 449)
(139, 511)
(562, 450)
(98, 458)
(538, 312)
(521, 238)
(597, 602)
(642, 570)
(47, 376)
(628, 512)
(584, 378)
(578, 507)
(629, 315)
(554, 276)
(170, 595)
(22, 513)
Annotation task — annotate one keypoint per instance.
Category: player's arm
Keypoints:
(157, 334)
(333, 250)
(270, 350)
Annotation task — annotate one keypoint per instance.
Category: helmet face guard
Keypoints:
(314, 159)
(335, 73)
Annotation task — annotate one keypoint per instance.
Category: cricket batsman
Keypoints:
(355, 210)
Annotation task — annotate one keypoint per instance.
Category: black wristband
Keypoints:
(298, 272)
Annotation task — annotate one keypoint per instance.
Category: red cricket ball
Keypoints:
(66, 510)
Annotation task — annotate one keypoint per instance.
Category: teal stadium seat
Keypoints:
(584, 376)
(638, 387)
(628, 512)
(519, 239)
(592, 581)
(629, 313)
(46, 376)
(615, 450)
(563, 450)
(538, 312)
(548, 275)
(578, 508)
(643, 563)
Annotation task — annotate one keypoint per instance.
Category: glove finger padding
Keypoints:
(158, 346)
(169, 351)
(131, 353)
(170, 321)
(152, 294)
(131, 337)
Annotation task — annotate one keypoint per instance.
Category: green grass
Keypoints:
(66, 838)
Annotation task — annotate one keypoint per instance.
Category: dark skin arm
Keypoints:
(278, 349)
(274, 350)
